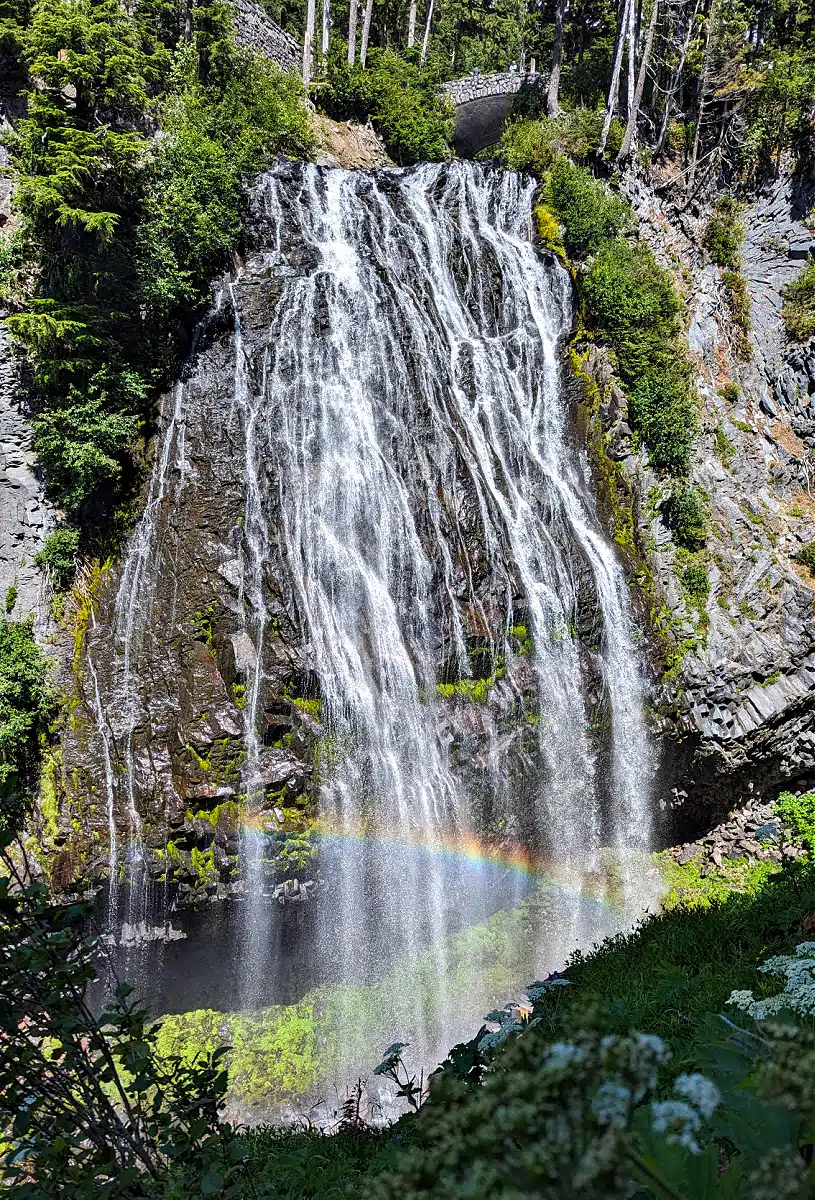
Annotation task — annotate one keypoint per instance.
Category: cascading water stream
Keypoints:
(410, 434)
(417, 507)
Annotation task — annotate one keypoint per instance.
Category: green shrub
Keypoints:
(591, 213)
(724, 233)
(738, 301)
(399, 96)
(798, 812)
(696, 583)
(724, 447)
(535, 145)
(632, 302)
(58, 556)
(799, 303)
(806, 557)
(685, 514)
(26, 707)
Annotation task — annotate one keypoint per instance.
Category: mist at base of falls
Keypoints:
(416, 496)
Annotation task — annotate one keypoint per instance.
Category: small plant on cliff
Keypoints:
(724, 233)
(685, 514)
(58, 556)
(799, 303)
(26, 708)
(634, 305)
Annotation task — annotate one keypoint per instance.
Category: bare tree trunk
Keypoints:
(676, 81)
(426, 40)
(412, 23)
(614, 85)
(366, 31)
(352, 32)
(326, 26)
(632, 54)
(703, 82)
(630, 136)
(308, 41)
(552, 106)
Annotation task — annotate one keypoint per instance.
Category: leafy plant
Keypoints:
(58, 556)
(591, 213)
(400, 97)
(26, 706)
(799, 303)
(798, 812)
(88, 1107)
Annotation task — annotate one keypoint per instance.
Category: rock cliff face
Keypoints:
(740, 716)
(194, 689)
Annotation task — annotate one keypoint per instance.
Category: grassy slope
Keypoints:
(665, 978)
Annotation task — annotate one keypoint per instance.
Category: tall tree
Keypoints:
(326, 26)
(677, 77)
(623, 19)
(426, 40)
(629, 142)
(552, 104)
(366, 31)
(411, 38)
(352, 32)
(308, 41)
(702, 93)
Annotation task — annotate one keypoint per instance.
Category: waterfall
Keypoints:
(392, 471)
(410, 434)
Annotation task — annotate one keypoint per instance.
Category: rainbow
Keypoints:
(511, 857)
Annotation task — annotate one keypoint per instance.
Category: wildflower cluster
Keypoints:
(798, 995)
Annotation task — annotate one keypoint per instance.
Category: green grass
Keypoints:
(677, 968)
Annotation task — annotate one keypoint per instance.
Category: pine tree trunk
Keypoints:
(326, 26)
(412, 23)
(426, 40)
(614, 84)
(308, 41)
(352, 32)
(702, 94)
(630, 136)
(366, 31)
(632, 54)
(552, 105)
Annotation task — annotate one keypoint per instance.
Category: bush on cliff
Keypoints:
(633, 304)
(399, 96)
(26, 708)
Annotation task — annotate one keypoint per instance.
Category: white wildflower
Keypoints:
(799, 992)
(611, 1104)
(562, 1054)
(679, 1121)
(649, 1041)
(700, 1092)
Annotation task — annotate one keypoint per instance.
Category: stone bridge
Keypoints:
(483, 103)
